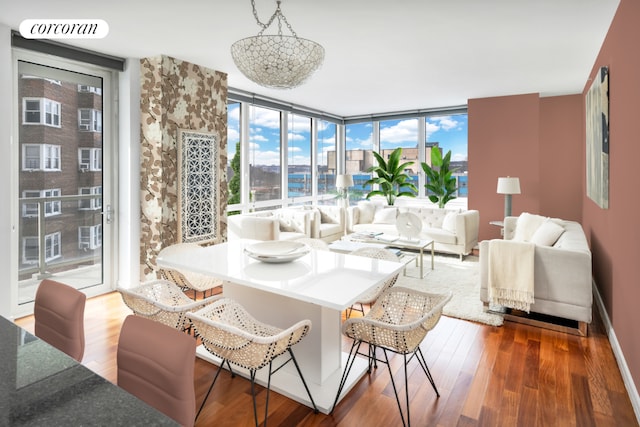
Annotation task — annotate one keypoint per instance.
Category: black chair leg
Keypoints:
(350, 359)
(253, 396)
(295, 362)
(393, 384)
(425, 368)
(211, 386)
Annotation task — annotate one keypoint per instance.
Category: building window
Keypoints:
(89, 89)
(45, 157)
(30, 248)
(90, 237)
(40, 111)
(89, 120)
(90, 159)
(90, 203)
(50, 207)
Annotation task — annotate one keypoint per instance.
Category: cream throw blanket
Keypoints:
(511, 273)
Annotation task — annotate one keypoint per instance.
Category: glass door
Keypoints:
(64, 208)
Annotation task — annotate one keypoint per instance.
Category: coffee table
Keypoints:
(353, 241)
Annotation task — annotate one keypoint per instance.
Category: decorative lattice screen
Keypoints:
(198, 188)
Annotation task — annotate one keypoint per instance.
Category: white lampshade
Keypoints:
(344, 181)
(508, 185)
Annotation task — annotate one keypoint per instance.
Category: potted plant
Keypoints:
(441, 185)
(391, 178)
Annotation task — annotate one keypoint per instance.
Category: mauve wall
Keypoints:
(541, 140)
(614, 233)
(536, 139)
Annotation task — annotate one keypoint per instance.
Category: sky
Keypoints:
(450, 131)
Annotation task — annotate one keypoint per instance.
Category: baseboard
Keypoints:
(617, 351)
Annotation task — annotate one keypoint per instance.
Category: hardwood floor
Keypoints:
(514, 375)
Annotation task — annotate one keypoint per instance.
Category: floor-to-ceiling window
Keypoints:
(449, 133)
(265, 172)
(402, 133)
(359, 158)
(299, 182)
(306, 146)
(63, 165)
(234, 159)
(327, 138)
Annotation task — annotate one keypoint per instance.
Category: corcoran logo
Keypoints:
(64, 29)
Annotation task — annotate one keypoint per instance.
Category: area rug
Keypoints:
(462, 278)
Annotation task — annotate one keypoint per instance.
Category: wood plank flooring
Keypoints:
(514, 375)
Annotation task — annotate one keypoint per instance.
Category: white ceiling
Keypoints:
(380, 55)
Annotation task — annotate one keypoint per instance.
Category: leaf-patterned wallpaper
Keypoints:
(175, 95)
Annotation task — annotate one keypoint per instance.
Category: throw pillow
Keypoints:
(547, 234)
(449, 222)
(287, 224)
(527, 225)
(325, 218)
(385, 216)
(367, 211)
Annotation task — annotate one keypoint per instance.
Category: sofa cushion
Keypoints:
(329, 229)
(367, 211)
(439, 235)
(526, 225)
(547, 234)
(449, 222)
(385, 216)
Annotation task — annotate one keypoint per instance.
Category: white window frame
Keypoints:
(30, 210)
(51, 208)
(89, 89)
(89, 120)
(90, 204)
(90, 237)
(49, 112)
(53, 247)
(93, 162)
(48, 157)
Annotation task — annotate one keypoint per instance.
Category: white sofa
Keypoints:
(452, 230)
(327, 222)
(562, 271)
(277, 224)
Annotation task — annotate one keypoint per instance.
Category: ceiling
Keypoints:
(380, 56)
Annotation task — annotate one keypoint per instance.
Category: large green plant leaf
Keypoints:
(390, 177)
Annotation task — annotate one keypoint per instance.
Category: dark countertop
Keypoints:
(40, 385)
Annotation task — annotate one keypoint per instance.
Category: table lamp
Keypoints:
(508, 186)
(343, 182)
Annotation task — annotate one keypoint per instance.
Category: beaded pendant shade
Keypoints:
(277, 61)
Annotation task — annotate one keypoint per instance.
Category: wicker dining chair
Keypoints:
(188, 280)
(229, 332)
(398, 321)
(164, 302)
(371, 296)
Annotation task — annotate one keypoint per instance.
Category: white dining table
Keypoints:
(318, 286)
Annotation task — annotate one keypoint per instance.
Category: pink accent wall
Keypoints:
(536, 139)
(614, 233)
(541, 141)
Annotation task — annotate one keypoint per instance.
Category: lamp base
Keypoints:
(507, 205)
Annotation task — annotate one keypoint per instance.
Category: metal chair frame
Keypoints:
(385, 327)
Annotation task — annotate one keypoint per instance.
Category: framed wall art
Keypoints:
(597, 138)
